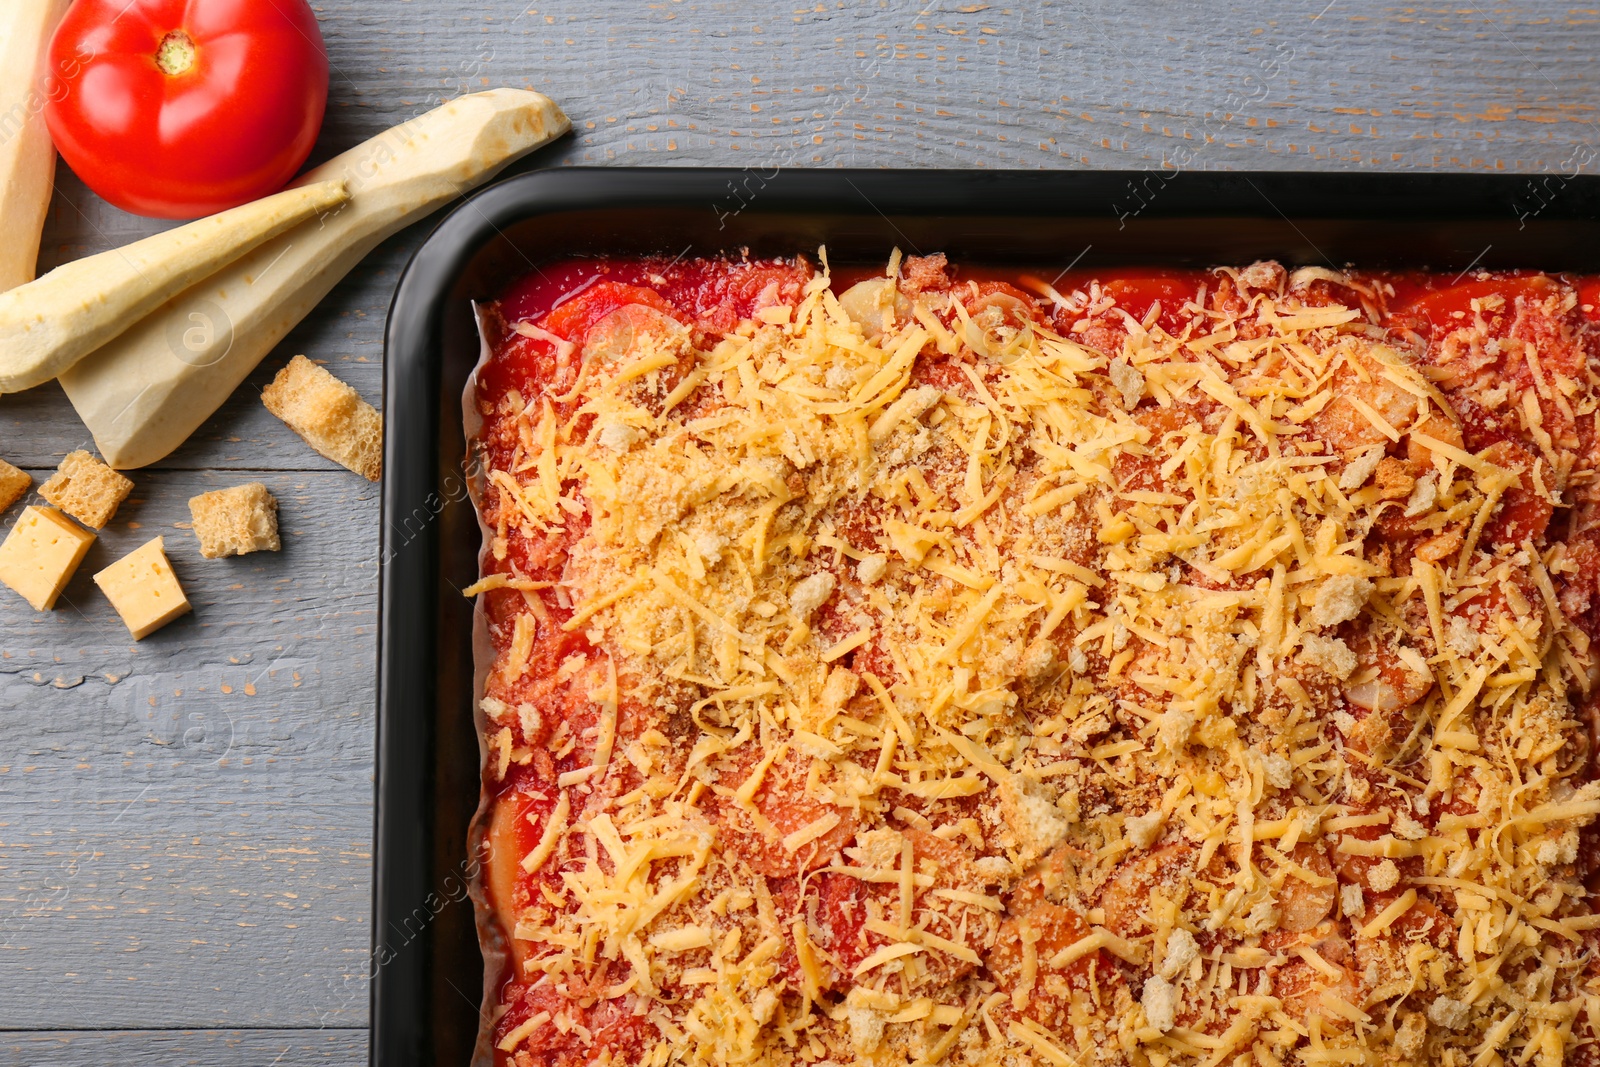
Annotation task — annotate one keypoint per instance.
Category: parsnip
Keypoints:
(27, 158)
(143, 394)
(48, 325)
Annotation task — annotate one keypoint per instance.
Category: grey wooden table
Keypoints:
(185, 824)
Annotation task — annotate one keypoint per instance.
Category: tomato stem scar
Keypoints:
(176, 54)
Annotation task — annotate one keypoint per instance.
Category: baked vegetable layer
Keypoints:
(929, 665)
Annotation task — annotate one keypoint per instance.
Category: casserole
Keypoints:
(1196, 220)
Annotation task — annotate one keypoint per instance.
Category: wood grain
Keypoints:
(137, 1048)
(185, 823)
(190, 814)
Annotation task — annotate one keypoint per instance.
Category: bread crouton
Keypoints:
(13, 483)
(1340, 599)
(237, 521)
(1329, 653)
(1029, 816)
(329, 415)
(86, 489)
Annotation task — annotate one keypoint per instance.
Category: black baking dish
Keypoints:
(427, 973)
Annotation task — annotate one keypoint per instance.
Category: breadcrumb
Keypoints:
(86, 489)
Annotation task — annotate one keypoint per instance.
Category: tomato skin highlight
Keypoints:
(573, 318)
(234, 126)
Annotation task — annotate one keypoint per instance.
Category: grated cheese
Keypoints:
(554, 826)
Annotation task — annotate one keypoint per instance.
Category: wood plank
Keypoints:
(136, 1048)
(179, 904)
(192, 813)
(318, 593)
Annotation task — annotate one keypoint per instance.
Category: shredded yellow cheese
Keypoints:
(949, 676)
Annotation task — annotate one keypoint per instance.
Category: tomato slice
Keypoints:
(1136, 294)
(530, 298)
(572, 319)
(1450, 307)
(1589, 298)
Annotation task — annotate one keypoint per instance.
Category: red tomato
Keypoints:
(181, 108)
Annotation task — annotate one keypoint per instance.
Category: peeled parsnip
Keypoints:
(143, 394)
(27, 158)
(48, 325)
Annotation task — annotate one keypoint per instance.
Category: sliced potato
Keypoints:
(874, 305)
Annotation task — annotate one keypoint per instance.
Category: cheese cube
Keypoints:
(40, 554)
(143, 589)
